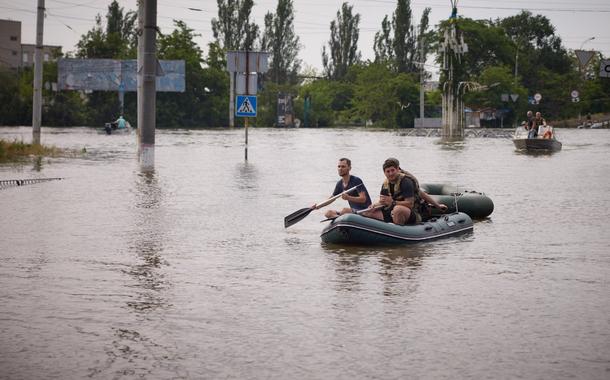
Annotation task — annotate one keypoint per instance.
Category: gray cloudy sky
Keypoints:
(67, 20)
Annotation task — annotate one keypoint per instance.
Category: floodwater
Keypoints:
(188, 272)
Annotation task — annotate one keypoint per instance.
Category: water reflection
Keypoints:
(246, 177)
(452, 144)
(396, 267)
(147, 243)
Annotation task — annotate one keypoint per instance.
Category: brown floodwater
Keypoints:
(188, 272)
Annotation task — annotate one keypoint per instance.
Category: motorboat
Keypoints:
(536, 144)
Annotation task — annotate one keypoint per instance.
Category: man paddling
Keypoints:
(358, 199)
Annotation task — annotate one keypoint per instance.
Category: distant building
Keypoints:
(49, 53)
(14, 54)
(10, 43)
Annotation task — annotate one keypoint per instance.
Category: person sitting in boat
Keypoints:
(121, 123)
(358, 199)
(548, 134)
(400, 200)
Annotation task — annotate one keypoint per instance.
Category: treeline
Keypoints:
(519, 55)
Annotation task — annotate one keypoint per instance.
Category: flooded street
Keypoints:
(189, 273)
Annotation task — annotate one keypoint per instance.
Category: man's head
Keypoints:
(344, 166)
(538, 115)
(530, 113)
(391, 168)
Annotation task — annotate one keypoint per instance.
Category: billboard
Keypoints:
(116, 75)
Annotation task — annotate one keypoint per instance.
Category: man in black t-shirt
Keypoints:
(397, 196)
(358, 199)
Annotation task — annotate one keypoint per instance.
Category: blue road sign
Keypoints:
(245, 106)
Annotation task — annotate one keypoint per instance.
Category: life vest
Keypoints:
(419, 203)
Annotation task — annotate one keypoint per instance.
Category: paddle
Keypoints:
(357, 212)
(299, 215)
(368, 209)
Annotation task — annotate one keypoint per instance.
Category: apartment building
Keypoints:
(16, 55)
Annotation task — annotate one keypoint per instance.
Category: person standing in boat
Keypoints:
(539, 124)
(400, 199)
(358, 199)
(532, 132)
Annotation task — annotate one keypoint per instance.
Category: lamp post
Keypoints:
(583, 60)
(585, 41)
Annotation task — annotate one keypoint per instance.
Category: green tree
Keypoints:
(198, 106)
(535, 44)
(384, 97)
(117, 40)
(404, 37)
(280, 40)
(383, 44)
(499, 81)
(407, 48)
(13, 106)
(233, 29)
(343, 44)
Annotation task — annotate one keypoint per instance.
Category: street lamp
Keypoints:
(585, 41)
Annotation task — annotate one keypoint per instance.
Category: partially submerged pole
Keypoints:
(37, 100)
(147, 75)
(247, 93)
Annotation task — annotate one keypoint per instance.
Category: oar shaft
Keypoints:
(335, 197)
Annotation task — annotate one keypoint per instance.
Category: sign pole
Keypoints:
(247, 93)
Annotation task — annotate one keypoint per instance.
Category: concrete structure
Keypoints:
(10, 43)
(16, 55)
(49, 53)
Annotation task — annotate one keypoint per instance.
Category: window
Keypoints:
(14, 52)
(46, 57)
(25, 57)
(13, 38)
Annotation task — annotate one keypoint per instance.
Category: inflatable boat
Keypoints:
(359, 230)
(477, 205)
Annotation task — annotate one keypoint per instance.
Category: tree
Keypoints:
(343, 44)
(199, 105)
(233, 29)
(280, 40)
(499, 80)
(404, 37)
(535, 42)
(384, 97)
(118, 40)
(424, 37)
(404, 51)
(383, 45)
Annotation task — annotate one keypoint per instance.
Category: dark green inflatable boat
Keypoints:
(476, 205)
(360, 230)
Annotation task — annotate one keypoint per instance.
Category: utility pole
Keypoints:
(147, 78)
(421, 82)
(37, 100)
(232, 100)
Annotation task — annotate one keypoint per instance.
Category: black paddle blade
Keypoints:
(296, 216)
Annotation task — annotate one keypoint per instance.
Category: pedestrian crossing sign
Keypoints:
(245, 106)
